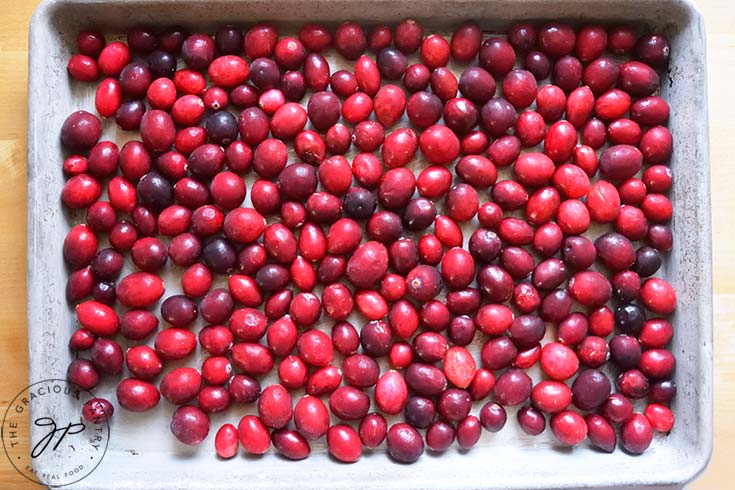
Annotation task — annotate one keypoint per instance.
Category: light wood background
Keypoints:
(719, 19)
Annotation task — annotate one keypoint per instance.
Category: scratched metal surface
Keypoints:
(142, 452)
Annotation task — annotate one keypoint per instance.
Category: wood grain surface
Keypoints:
(719, 20)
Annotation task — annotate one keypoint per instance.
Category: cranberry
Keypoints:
(493, 416)
(97, 410)
(311, 417)
(372, 431)
(189, 82)
(538, 64)
(344, 443)
(497, 117)
(181, 385)
(600, 75)
(136, 395)
(350, 40)
(590, 389)
(81, 131)
(650, 111)
(551, 396)
(534, 169)
(656, 333)
(440, 436)
(113, 58)
(532, 421)
(558, 361)
(569, 427)
(660, 417)
(226, 441)
(530, 128)
(474, 169)
(590, 288)
(593, 351)
(216, 340)
(405, 444)
(656, 144)
(253, 435)
(638, 79)
(636, 434)
(567, 73)
(513, 387)
(90, 43)
(465, 42)
(274, 406)
(556, 39)
(496, 56)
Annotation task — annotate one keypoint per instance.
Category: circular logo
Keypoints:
(45, 437)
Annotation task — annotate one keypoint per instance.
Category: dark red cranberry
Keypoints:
(590, 389)
(538, 64)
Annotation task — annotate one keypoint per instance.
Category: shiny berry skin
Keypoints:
(466, 41)
(512, 387)
(569, 427)
(559, 361)
(532, 421)
(254, 435)
(311, 417)
(350, 40)
(275, 406)
(226, 441)
(556, 39)
(660, 417)
(493, 417)
(113, 58)
(405, 444)
(90, 43)
(136, 395)
(344, 443)
(658, 296)
(551, 396)
(81, 131)
(497, 56)
(97, 410)
(372, 431)
(636, 434)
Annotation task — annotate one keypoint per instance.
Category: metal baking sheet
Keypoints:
(143, 454)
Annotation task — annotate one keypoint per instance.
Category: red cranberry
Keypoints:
(81, 131)
(493, 416)
(405, 444)
(600, 75)
(90, 43)
(496, 56)
(350, 40)
(497, 116)
(477, 85)
(660, 417)
(113, 58)
(97, 410)
(513, 387)
(538, 64)
(590, 389)
(636, 434)
(569, 427)
(466, 41)
(593, 351)
(136, 395)
(532, 421)
(408, 35)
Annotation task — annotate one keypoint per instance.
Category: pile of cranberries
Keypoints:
(418, 237)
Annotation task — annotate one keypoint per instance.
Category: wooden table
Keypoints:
(719, 19)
